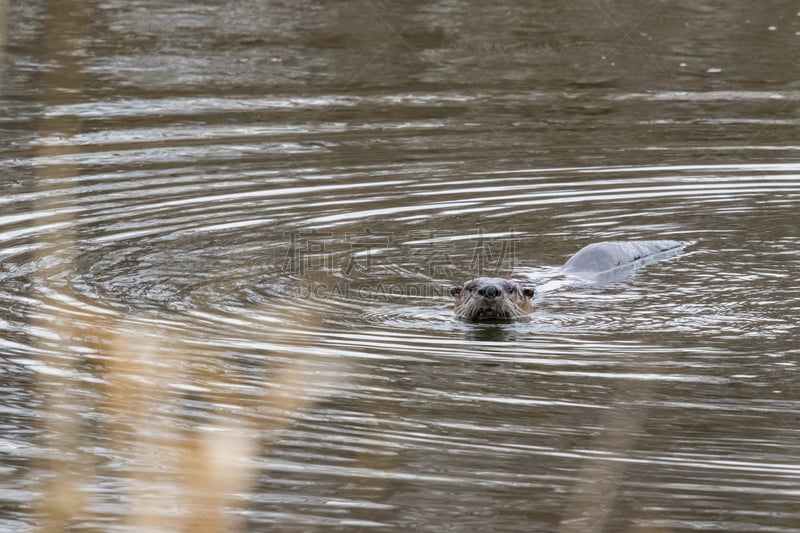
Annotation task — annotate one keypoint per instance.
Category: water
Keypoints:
(228, 233)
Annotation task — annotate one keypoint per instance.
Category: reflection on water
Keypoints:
(228, 233)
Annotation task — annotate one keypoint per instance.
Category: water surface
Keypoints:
(228, 233)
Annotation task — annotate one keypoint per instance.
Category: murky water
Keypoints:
(228, 233)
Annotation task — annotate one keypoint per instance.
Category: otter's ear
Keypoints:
(455, 291)
(528, 291)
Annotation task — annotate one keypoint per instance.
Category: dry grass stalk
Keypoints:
(180, 477)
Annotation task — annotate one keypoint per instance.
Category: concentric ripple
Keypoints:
(278, 237)
(229, 216)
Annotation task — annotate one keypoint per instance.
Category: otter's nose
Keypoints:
(489, 291)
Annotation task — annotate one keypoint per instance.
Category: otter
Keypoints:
(492, 299)
(503, 299)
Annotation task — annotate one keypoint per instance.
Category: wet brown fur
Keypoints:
(492, 299)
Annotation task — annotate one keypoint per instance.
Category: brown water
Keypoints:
(228, 230)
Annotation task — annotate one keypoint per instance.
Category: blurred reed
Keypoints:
(179, 474)
(599, 481)
(3, 38)
(101, 368)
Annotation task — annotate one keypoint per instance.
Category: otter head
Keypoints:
(492, 299)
